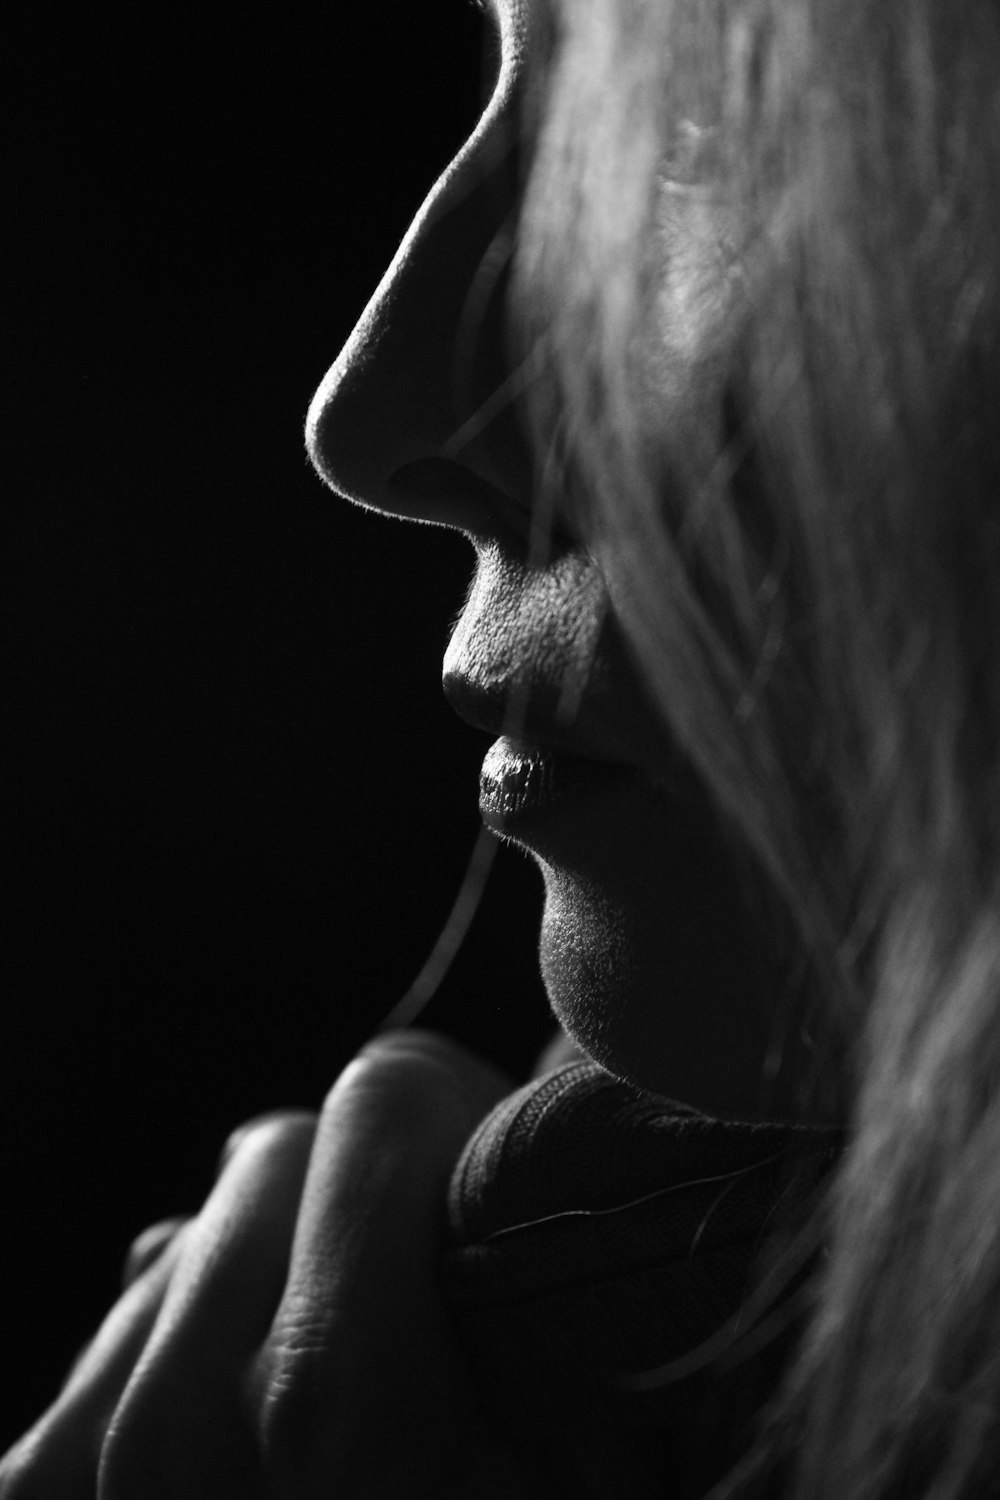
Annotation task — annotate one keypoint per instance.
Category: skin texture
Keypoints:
(645, 946)
(288, 1340)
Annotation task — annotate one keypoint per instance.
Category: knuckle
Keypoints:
(148, 1246)
(277, 1130)
(432, 1075)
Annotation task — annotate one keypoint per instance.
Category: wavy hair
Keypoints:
(759, 265)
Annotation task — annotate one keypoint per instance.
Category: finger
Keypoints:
(148, 1247)
(238, 1136)
(57, 1458)
(180, 1427)
(360, 1357)
(233, 1271)
(249, 1218)
(110, 1355)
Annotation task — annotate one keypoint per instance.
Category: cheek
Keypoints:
(696, 314)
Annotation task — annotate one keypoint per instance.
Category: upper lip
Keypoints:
(496, 712)
(529, 658)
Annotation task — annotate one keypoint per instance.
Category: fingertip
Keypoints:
(148, 1246)
(440, 1061)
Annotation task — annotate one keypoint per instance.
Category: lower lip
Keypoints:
(519, 782)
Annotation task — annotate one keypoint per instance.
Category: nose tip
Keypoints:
(430, 348)
(331, 437)
(372, 412)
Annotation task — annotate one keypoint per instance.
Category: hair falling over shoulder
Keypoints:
(762, 279)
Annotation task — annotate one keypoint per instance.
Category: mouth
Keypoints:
(521, 783)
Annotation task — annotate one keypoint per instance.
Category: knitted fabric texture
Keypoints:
(605, 1244)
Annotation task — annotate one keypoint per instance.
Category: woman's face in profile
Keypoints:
(643, 942)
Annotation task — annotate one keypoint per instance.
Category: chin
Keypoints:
(655, 1001)
(585, 962)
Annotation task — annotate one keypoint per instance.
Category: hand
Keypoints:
(288, 1341)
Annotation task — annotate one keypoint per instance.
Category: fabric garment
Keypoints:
(605, 1246)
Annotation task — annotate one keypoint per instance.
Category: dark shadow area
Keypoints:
(238, 807)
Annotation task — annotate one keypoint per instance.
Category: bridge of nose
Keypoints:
(395, 392)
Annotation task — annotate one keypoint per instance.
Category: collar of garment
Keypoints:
(628, 1277)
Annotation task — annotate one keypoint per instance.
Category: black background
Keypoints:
(239, 807)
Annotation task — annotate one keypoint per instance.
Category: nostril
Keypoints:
(448, 494)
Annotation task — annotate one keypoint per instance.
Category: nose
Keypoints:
(417, 416)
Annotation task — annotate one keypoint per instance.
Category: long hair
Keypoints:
(758, 267)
